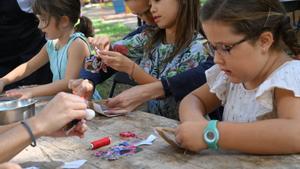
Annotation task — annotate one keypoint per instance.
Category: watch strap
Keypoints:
(211, 128)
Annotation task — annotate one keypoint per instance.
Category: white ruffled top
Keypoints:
(242, 105)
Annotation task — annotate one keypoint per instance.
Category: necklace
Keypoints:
(58, 63)
(59, 59)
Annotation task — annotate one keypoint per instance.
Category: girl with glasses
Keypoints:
(254, 78)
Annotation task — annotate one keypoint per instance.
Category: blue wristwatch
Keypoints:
(211, 135)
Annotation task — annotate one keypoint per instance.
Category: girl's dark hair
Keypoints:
(85, 26)
(253, 17)
(187, 24)
(59, 8)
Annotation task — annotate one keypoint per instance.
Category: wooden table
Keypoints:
(51, 153)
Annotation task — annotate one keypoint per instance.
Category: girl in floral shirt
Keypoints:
(174, 46)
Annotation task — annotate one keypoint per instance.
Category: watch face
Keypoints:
(210, 136)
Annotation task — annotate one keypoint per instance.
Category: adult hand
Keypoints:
(10, 166)
(20, 93)
(82, 88)
(61, 110)
(117, 61)
(128, 100)
(102, 43)
(189, 135)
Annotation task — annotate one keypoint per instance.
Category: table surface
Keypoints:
(52, 152)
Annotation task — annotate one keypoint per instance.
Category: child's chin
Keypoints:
(49, 37)
(235, 80)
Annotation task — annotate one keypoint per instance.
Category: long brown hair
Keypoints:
(59, 8)
(253, 17)
(187, 24)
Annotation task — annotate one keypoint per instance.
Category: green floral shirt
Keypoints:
(154, 63)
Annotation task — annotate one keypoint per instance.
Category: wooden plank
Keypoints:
(52, 152)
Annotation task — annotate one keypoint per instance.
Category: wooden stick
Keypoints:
(162, 131)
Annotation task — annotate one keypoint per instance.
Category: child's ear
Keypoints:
(266, 40)
(64, 22)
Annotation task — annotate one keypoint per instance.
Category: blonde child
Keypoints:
(65, 49)
(254, 78)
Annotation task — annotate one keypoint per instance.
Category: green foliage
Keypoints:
(115, 31)
(202, 1)
(106, 5)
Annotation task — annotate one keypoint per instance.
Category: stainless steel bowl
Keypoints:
(16, 110)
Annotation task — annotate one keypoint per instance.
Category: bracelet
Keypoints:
(27, 127)
(132, 70)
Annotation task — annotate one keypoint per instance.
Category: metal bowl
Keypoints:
(16, 110)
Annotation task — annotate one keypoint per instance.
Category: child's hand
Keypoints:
(102, 43)
(189, 135)
(82, 88)
(20, 93)
(117, 61)
(127, 101)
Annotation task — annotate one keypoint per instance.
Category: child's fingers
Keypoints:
(110, 53)
(107, 46)
(108, 60)
(179, 140)
(113, 102)
(117, 111)
(70, 84)
(82, 92)
(102, 43)
(73, 84)
(13, 93)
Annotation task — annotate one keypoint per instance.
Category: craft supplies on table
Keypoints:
(100, 143)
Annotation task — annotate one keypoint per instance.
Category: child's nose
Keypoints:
(218, 59)
(152, 9)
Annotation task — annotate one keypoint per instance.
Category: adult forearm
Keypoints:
(7, 127)
(276, 136)
(15, 140)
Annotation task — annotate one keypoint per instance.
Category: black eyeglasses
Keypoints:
(222, 49)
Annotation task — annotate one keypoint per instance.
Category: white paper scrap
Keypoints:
(148, 141)
(74, 164)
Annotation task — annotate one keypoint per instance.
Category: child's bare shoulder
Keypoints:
(79, 47)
